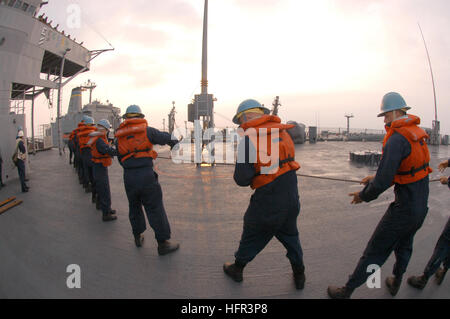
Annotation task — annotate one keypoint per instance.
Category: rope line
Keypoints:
(308, 176)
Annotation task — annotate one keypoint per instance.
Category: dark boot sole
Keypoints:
(300, 283)
(232, 275)
(166, 252)
(416, 285)
(392, 289)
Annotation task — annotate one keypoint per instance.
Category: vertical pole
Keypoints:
(58, 121)
(348, 125)
(205, 51)
(32, 122)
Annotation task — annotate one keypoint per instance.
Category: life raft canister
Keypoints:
(417, 165)
(133, 141)
(269, 127)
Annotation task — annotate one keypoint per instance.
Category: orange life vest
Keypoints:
(132, 140)
(83, 136)
(416, 166)
(97, 157)
(269, 127)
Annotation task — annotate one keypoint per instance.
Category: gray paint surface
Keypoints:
(57, 226)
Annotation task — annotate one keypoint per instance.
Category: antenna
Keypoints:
(431, 71)
(436, 125)
(89, 86)
(276, 104)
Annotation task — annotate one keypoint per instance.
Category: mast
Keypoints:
(204, 81)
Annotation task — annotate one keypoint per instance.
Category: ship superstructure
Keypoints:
(35, 58)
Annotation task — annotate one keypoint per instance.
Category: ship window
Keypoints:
(25, 7)
(11, 3)
(18, 4)
(32, 9)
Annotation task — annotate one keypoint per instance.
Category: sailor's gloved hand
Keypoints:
(442, 166)
(444, 180)
(175, 144)
(356, 198)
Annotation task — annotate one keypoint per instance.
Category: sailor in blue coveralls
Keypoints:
(405, 163)
(134, 144)
(441, 254)
(102, 155)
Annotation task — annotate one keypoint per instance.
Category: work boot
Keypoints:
(166, 247)
(440, 274)
(418, 282)
(88, 188)
(339, 292)
(139, 239)
(110, 216)
(299, 276)
(393, 283)
(234, 271)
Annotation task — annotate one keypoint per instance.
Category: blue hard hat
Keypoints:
(391, 102)
(85, 117)
(133, 109)
(88, 120)
(105, 123)
(247, 105)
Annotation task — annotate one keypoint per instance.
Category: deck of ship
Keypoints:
(57, 226)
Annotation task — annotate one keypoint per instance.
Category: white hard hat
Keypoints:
(20, 134)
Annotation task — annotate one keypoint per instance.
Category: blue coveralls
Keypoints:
(396, 230)
(88, 176)
(21, 167)
(441, 254)
(71, 151)
(78, 160)
(273, 211)
(143, 189)
(101, 177)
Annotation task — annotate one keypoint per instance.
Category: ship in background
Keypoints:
(75, 112)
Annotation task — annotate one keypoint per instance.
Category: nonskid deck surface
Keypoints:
(57, 226)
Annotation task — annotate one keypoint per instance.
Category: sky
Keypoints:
(324, 58)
